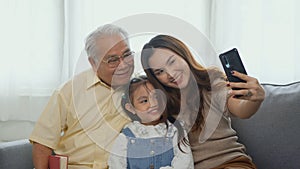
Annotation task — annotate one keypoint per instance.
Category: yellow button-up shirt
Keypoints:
(81, 120)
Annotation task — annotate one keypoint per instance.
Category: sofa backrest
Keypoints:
(272, 135)
(16, 155)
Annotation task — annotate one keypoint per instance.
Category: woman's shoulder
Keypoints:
(216, 74)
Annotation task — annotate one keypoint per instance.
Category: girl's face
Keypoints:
(169, 68)
(145, 104)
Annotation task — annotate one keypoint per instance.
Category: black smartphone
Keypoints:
(231, 60)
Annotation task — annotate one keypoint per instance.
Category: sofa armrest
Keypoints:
(16, 155)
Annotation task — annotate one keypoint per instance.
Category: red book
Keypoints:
(58, 162)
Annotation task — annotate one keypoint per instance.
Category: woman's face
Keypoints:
(169, 68)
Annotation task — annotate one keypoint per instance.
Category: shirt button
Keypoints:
(132, 141)
(152, 141)
(167, 139)
(152, 152)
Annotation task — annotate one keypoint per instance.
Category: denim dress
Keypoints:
(148, 153)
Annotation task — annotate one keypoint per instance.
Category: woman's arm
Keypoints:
(252, 95)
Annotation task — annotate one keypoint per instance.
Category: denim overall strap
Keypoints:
(128, 132)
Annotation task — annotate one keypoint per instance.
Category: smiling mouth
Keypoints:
(122, 73)
(177, 79)
(153, 111)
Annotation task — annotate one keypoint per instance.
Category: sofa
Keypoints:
(16, 155)
(271, 136)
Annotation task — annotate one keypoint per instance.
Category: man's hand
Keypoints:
(40, 154)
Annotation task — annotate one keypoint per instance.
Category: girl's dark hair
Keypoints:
(127, 97)
(203, 77)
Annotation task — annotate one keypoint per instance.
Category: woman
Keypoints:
(204, 100)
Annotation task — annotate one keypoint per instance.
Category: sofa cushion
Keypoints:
(16, 155)
(272, 135)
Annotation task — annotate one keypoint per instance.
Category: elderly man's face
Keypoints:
(111, 73)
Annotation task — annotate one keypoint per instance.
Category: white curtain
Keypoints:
(42, 46)
(42, 43)
(84, 16)
(31, 61)
(265, 31)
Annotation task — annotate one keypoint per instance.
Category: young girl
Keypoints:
(204, 100)
(150, 140)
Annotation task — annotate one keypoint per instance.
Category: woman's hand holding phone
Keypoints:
(243, 86)
(248, 90)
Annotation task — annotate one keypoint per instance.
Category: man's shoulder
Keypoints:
(77, 80)
(85, 73)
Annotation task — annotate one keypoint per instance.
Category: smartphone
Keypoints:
(231, 60)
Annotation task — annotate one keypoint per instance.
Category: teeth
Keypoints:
(174, 79)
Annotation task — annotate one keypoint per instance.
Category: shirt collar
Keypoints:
(93, 79)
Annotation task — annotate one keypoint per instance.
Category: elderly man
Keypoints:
(83, 117)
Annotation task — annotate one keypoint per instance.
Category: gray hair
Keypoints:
(108, 29)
